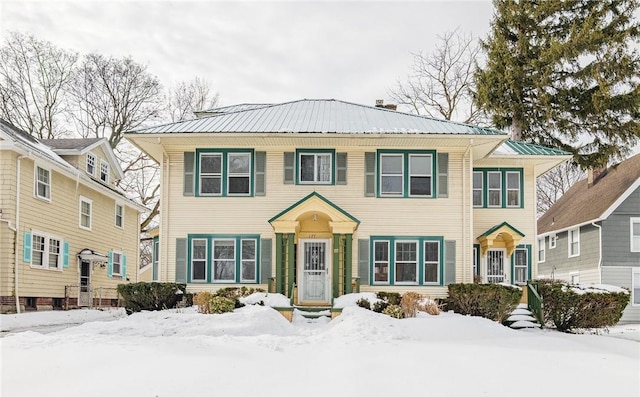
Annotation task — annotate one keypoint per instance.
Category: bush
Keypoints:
(409, 303)
(590, 308)
(379, 306)
(235, 293)
(201, 300)
(209, 303)
(492, 301)
(429, 306)
(394, 311)
(150, 296)
(392, 298)
(364, 303)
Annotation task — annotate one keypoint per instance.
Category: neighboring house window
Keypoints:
(574, 242)
(406, 174)
(119, 215)
(553, 241)
(116, 263)
(46, 251)
(541, 250)
(104, 172)
(91, 164)
(575, 278)
(635, 291)
(398, 261)
(224, 173)
(521, 265)
(43, 183)
(497, 188)
(315, 168)
(477, 189)
(231, 259)
(85, 213)
(635, 234)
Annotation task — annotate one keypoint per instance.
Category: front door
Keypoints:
(84, 294)
(495, 265)
(313, 271)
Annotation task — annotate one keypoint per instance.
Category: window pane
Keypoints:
(43, 175)
(199, 270)
(54, 252)
(223, 249)
(239, 185)
(307, 162)
(494, 198)
(212, 185)
(477, 180)
(513, 180)
(391, 164)
(381, 261)
(431, 252)
(494, 180)
(239, 163)
(224, 270)
(37, 251)
(513, 197)
(381, 251)
(211, 163)
(406, 252)
(199, 249)
(324, 168)
(248, 270)
(431, 272)
(406, 272)
(381, 272)
(392, 184)
(477, 197)
(420, 186)
(420, 164)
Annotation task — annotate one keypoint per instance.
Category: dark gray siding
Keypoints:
(558, 261)
(621, 277)
(616, 234)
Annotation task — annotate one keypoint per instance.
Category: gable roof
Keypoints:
(582, 204)
(317, 116)
(80, 146)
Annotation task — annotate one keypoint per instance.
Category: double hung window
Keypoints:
(43, 183)
(225, 173)
(574, 242)
(315, 168)
(497, 188)
(46, 251)
(407, 174)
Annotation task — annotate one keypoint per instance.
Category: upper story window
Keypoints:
(224, 173)
(119, 215)
(574, 242)
(553, 241)
(91, 164)
(635, 234)
(315, 168)
(497, 188)
(406, 173)
(541, 250)
(43, 183)
(85, 213)
(104, 172)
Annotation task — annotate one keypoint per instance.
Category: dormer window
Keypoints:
(104, 172)
(91, 164)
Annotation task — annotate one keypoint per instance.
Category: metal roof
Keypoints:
(234, 108)
(317, 116)
(515, 148)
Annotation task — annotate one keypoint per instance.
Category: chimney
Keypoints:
(390, 106)
(379, 103)
(594, 174)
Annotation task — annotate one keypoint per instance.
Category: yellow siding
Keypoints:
(7, 204)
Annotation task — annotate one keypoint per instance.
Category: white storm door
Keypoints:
(314, 265)
(495, 265)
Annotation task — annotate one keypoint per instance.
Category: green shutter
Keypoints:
(123, 265)
(65, 254)
(261, 167)
(443, 174)
(449, 262)
(265, 260)
(363, 261)
(26, 249)
(289, 167)
(341, 168)
(110, 265)
(370, 174)
(189, 164)
(181, 260)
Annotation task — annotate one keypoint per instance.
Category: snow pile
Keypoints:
(266, 299)
(582, 289)
(9, 322)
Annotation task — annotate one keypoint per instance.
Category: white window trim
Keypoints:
(241, 175)
(633, 221)
(206, 260)
(210, 174)
(635, 275)
(255, 260)
(213, 261)
(80, 201)
(498, 189)
(481, 189)
(508, 189)
(577, 233)
(106, 180)
(572, 275)
(315, 168)
(91, 156)
(36, 181)
(401, 175)
(542, 249)
(526, 266)
(115, 215)
(113, 261)
(411, 173)
(395, 263)
(388, 262)
(45, 254)
(424, 263)
(553, 241)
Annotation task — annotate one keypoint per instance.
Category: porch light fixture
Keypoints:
(315, 217)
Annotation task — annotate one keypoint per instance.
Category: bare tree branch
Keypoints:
(187, 97)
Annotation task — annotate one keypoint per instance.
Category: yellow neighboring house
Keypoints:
(318, 198)
(68, 236)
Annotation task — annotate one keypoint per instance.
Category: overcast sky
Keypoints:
(256, 52)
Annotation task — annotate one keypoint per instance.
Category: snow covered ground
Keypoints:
(254, 351)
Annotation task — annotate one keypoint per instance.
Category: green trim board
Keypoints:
(307, 197)
(526, 247)
(224, 172)
(298, 163)
(420, 240)
(209, 238)
(503, 187)
(496, 227)
(406, 176)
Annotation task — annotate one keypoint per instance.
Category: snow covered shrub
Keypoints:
(581, 306)
(201, 300)
(409, 303)
(150, 296)
(492, 301)
(235, 293)
(394, 311)
(392, 298)
(429, 306)
(209, 303)
(364, 303)
(379, 306)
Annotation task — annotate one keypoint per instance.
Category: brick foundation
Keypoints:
(29, 303)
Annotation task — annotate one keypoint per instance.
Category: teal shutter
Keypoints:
(261, 167)
(370, 174)
(449, 262)
(181, 260)
(189, 165)
(123, 265)
(65, 255)
(341, 168)
(26, 249)
(265, 260)
(363, 261)
(289, 167)
(443, 174)
(110, 265)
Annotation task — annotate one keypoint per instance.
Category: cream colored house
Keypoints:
(68, 236)
(318, 198)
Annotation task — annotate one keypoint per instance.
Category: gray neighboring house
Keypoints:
(591, 235)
